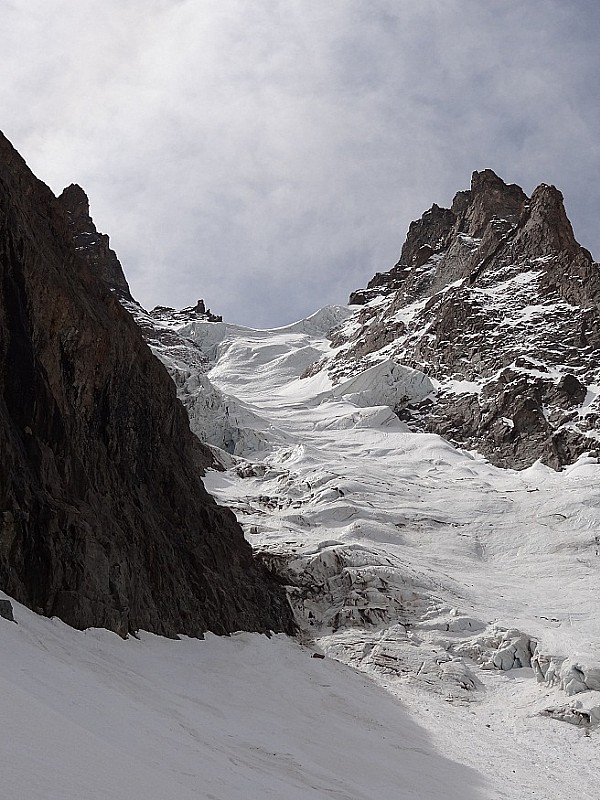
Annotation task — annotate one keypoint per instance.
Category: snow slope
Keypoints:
(90, 716)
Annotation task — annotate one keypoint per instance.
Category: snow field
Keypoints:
(88, 715)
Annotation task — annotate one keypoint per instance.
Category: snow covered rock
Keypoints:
(584, 711)
(433, 669)
(494, 292)
(345, 586)
(514, 650)
(498, 648)
(219, 419)
(573, 674)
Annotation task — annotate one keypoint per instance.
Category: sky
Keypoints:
(269, 156)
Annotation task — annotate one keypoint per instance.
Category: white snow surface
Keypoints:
(456, 604)
(386, 383)
(88, 716)
(467, 591)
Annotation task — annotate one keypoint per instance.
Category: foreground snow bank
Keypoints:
(88, 715)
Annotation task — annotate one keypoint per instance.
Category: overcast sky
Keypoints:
(269, 155)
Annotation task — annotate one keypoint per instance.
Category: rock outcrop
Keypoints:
(104, 520)
(496, 301)
(93, 246)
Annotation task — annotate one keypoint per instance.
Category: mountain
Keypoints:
(495, 301)
(105, 520)
(467, 591)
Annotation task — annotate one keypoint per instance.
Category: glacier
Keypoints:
(452, 604)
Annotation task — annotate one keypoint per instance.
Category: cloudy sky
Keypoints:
(268, 156)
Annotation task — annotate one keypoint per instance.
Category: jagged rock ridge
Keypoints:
(497, 302)
(104, 520)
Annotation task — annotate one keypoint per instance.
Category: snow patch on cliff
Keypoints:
(387, 383)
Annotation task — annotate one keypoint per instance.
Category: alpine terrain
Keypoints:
(417, 468)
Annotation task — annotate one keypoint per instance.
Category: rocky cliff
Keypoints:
(104, 520)
(496, 301)
(92, 246)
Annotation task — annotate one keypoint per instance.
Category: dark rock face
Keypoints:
(199, 312)
(104, 520)
(496, 300)
(6, 610)
(92, 245)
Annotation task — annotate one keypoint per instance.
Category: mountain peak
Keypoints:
(491, 199)
(75, 201)
(487, 179)
(92, 245)
(545, 225)
(495, 292)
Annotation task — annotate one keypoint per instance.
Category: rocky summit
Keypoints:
(92, 246)
(104, 519)
(495, 301)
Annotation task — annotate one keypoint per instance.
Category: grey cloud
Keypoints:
(269, 156)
